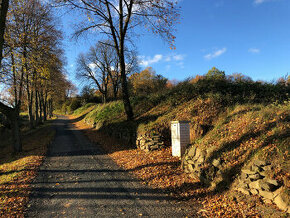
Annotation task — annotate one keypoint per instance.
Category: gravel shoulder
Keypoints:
(77, 179)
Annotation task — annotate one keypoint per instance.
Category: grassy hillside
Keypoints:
(235, 122)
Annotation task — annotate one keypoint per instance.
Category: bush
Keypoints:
(74, 104)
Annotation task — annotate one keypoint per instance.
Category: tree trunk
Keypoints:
(29, 95)
(3, 13)
(121, 54)
(36, 107)
(44, 107)
(125, 92)
(30, 113)
(50, 108)
(16, 137)
(40, 107)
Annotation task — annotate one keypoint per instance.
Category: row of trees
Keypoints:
(32, 65)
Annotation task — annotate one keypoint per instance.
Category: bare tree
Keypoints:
(96, 66)
(116, 18)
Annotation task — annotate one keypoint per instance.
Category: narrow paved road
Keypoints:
(78, 180)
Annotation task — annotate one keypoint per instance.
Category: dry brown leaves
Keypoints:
(17, 172)
(160, 170)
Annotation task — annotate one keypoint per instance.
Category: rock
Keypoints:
(255, 176)
(267, 168)
(243, 185)
(267, 201)
(197, 152)
(255, 185)
(272, 181)
(255, 168)
(244, 176)
(267, 194)
(190, 167)
(260, 163)
(281, 204)
(249, 172)
(190, 161)
(216, 163)
(278, 191)
(254, 191)
(244, 191)
(263, 173)
(265, 186)
(191, 151)
(200, 159)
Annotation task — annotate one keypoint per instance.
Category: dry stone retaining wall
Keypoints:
(194, 163)
(254, 181)
(149, 142)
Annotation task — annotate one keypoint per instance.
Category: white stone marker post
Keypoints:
(180, 137)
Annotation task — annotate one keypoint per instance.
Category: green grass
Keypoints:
(84, 109)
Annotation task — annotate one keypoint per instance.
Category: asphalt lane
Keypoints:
(77, 179)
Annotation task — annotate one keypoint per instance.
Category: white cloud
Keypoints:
(215, 54)
(92, 66)
(168, 58)
(146, 61)
(254, 50)
(178, 57)
(257, 2)
(174, 57)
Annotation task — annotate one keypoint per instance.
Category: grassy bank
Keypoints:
(237, 126)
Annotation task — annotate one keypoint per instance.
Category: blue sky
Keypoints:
(238, 36)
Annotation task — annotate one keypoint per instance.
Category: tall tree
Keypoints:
(31, 62)
(3, 13)
(117, 18)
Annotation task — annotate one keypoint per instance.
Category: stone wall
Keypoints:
(254, 181)
(194, 163)
(149, 141)
(128, 133)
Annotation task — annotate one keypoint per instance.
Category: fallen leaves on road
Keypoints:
(160, 170)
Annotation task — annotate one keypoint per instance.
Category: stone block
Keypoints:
(200, 159)
(249, 172)
(255, 185)
(265, 186)
(267, 168)
(191, 151)
(272, 182)
(191, 167)
(255, 176)
(190, 161)
(243, 185)
(260, 163)
(281, 204)
(266, 194)
(255, 168)
(244, 191)
(254, 191)
(244, 176)
(216, 163)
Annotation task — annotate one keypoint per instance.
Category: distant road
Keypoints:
(78, 180)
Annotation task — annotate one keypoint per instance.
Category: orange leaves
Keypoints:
(17, 173)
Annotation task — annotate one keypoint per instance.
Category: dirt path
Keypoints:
(78, 180)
